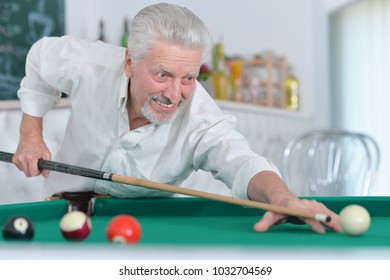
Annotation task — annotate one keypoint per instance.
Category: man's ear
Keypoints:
(127, 65)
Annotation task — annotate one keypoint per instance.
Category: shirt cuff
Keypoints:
(35, 104)
(246, 173)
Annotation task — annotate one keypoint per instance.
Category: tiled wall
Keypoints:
(14, 186)
(267, 131)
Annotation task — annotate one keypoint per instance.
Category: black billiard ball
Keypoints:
(18, 227)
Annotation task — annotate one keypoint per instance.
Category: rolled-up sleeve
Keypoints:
(42, 86)
(246, 172)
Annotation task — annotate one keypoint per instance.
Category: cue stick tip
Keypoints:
(322, 218)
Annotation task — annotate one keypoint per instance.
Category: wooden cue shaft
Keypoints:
(227, 199)
(100, 175)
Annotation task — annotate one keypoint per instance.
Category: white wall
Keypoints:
(334, 5)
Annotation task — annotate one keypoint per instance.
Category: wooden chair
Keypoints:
(331, 163)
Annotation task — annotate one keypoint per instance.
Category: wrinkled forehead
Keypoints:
(171, 54)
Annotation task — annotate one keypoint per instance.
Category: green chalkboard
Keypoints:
(22, 23)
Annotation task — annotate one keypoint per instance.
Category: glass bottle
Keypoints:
(220, 79)
(292, 90)
(235, 67)
(102, 32)
(125, 34)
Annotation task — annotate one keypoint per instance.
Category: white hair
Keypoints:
(168, 23)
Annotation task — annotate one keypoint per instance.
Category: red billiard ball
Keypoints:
(75, 225)
(18, 227)
(124, 229)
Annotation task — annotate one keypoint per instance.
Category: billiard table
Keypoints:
(189, 227)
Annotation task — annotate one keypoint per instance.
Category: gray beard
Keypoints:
(151, 116)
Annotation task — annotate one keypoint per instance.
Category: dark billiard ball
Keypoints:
(18, 227)
(75, 225)
(124, 229)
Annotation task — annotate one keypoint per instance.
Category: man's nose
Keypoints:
(174, 91)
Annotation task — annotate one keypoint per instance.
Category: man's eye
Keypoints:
(162, 75)
(188, 80)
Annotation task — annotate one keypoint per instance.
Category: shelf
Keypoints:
(257, 109)
(223, 104)
(15, 104)
(273, 78)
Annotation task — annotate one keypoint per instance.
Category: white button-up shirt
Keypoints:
(97, 136)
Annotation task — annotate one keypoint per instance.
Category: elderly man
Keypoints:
(139, 111)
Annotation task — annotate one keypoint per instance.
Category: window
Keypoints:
(360, 74)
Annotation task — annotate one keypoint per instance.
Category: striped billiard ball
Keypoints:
(75, 225)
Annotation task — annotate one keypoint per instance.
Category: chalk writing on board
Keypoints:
(22, 23)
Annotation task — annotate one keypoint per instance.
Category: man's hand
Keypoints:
(269, 219)
(31, 147)
(267, 187)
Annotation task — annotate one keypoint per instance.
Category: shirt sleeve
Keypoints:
(41, 87)
(224, 152)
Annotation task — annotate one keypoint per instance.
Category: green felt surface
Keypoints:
(190, 221)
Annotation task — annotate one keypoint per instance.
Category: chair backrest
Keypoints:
(331, 163)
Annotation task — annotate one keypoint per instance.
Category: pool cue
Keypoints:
(101, 175)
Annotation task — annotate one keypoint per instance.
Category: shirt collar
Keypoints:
(123, 94)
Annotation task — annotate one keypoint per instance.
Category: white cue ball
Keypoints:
(75, 225)
(354, 220)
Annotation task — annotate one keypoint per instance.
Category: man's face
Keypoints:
(162, 81)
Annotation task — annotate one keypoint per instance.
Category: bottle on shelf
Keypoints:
(236, 67)
(220, 78)
(125, 34)
(292, 90)
(102, 32)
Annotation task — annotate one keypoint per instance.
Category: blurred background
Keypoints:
(299, 65)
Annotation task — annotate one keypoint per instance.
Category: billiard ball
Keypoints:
(75, 225)
(18, 227)
(354, 220)
(123, 229)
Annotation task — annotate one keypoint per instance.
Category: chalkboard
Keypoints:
(22, 23)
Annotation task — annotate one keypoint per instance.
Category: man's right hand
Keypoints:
(31, 147)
